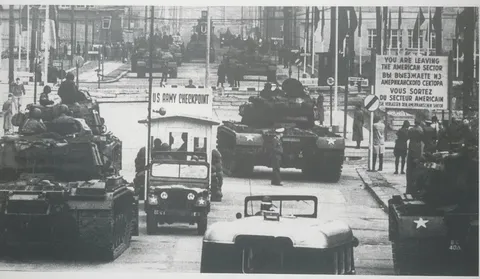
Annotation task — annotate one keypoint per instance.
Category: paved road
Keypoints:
(177, 248)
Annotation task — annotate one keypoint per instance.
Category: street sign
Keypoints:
(106, 21)
(371, 103)
(298, 61)
(305, 54)
(309, 82)
(78, 60)
(295, 50)
(330, 81)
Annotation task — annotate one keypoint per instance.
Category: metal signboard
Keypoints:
(106, 22)
(412, 82)
(183, 101)
(371, 103)
(309, 82)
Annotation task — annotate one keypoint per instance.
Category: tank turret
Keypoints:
(289, 106)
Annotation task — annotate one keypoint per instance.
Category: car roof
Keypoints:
(303, 232)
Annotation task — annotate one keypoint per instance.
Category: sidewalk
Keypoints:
(383, 185)
(108, 68)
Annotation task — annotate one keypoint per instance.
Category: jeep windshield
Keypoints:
(179, 170)
(286, 206)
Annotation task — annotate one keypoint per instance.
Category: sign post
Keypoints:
(371, 103)
(331, 82)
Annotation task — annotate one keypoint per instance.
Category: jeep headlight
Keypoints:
(190, 196)
(152, 200)
(164, 195)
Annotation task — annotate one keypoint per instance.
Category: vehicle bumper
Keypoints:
(177, 215)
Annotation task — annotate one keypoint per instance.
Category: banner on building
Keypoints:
(412, 82)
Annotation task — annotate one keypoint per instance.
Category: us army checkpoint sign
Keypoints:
(183, 101)
(412, 82)
(371, 103)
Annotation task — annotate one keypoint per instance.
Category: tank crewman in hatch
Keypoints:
(34, 124)
(44, 100)
(266, 91)
(64, 123)
(276, 156)
(68, 90)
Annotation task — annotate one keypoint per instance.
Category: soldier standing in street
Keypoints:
(415, 151)
(320, 108)
(358, 125)
(18, 91)
(221, 74)
(164, 73)
(276, 156)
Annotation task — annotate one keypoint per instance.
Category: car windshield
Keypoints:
(284, 207)
(180, 171)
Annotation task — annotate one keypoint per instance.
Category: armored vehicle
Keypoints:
(63, 188)
(315, 150)
(434, 231)
(197, 47)
(160, 58)
(280, 235)
(253, 63)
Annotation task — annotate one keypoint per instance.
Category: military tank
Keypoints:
(253, 63)
(64, 189)
(434, 231)
(315, 150)
(196, 49)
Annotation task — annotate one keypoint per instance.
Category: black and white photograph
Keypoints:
(247, 139)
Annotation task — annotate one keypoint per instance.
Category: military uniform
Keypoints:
(33, 126)
(276, 158)
(217, 175)
(415, 151)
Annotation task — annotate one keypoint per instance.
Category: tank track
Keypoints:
(105, 234)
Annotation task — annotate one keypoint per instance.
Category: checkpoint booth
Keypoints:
(182, 118)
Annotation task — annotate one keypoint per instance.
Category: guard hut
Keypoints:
(182, 118)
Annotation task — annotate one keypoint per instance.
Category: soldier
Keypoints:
(357, 125)
(140, 159)
(415, 152)
(320, 108)
(164, 72)
(238, 75)
(430, 137)
(190, 84)
(34, 124)
(44, 100)
(276, 157)
(265, 205)
(267, 91)
(221, 73)
(217, 173)
(68, 91)
(65, 124)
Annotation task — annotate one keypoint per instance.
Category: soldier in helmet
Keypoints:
(44, 100)
(68, 90)
(276, 157)
(267, 90)
(217, 173)
(64, 123)
(266, 205)
(34, 123)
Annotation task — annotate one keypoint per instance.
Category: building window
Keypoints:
(372, 38)
(433, 43)
(412, 43)
(396, 38)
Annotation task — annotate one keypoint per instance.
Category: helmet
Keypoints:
(63, 109)
(70, 76)
(266, 203)
(36, 113)
(165, 147)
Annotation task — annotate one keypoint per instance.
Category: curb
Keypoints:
(377, 192)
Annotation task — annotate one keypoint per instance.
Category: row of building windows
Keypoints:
(397, 39)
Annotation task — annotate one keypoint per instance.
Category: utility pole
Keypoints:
(468, 65)
(207, 68)
(85, 48)
(11, 44)
(146, 20)
(47, 42)
(241, 22)
(72, 42)
(150, 92)
(33, 35)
